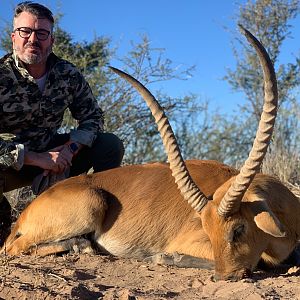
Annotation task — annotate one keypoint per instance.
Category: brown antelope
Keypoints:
(138, 211)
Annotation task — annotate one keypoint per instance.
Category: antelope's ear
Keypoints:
(266, 220)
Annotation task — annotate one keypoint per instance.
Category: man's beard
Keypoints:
(32, 59)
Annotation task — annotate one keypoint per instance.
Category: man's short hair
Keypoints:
(35, 9)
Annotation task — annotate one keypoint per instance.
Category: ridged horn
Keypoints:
(232, 199)
(189, 190)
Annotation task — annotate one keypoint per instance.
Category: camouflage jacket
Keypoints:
(30, 118)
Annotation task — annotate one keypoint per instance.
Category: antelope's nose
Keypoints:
(245, 273)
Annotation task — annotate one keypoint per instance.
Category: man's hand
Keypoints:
(55, 160)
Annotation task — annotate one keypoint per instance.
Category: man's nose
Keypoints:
(33, 37)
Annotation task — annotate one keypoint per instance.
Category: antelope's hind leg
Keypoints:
(75, 245)
(52, 221)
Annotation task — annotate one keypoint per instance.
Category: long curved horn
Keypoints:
(186, 185)
(232, 199)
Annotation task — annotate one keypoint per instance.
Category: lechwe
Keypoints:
(137, 211)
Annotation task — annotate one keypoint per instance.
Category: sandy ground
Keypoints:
(86, 276)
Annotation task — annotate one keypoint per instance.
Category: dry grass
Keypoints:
(286, 167)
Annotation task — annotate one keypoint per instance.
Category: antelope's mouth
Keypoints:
(234, 276)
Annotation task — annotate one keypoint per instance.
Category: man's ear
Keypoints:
(265, 219)
(12, 36)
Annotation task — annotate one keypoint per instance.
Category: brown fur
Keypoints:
(137, 211)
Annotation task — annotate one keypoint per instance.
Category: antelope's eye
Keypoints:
(237, 232)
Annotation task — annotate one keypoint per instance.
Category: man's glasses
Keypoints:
(25, 33)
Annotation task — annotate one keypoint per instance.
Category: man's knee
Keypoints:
(107, 147)
(108, 143)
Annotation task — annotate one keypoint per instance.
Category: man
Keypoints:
(35, 89)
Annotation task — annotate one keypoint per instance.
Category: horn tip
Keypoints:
(113, 69)
(119, 72)
(242, 29)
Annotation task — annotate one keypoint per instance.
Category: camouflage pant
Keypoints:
(106, 153)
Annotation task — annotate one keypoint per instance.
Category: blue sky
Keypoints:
(191, 32)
